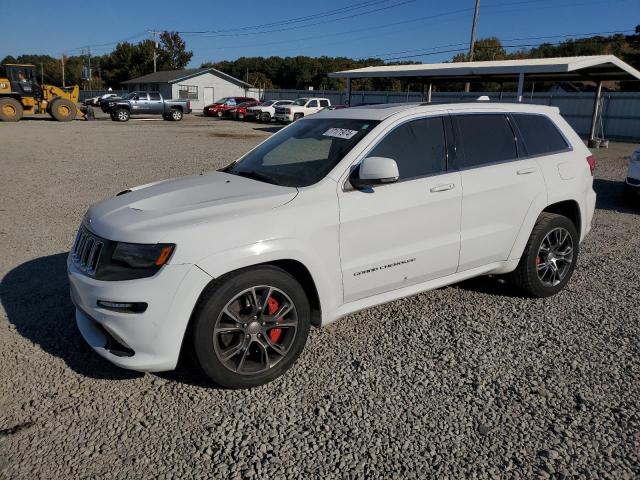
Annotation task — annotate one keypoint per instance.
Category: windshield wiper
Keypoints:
(255, 176)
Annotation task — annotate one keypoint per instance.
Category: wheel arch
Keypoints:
(569, 209)
(294, 267)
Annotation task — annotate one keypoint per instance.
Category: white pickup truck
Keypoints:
(302, 107)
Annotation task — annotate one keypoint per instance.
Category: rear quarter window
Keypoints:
(539, 134)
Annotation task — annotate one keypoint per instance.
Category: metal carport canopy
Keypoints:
(596, 68)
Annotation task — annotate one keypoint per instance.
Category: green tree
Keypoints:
(173, 54)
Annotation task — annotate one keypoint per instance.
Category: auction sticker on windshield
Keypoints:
(344, 133)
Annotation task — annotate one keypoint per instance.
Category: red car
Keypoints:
(218, 108)
(240, 112)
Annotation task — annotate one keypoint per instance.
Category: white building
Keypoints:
(200, 85)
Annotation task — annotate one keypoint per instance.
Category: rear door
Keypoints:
(155, 104)
(408, 232)
(499, 183)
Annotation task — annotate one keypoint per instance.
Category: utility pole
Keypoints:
(472, 42)
(155, 48)
(62, 61)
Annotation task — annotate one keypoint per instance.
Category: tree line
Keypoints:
(129, 60)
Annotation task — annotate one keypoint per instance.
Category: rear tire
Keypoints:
(11, 110)
(176, 114)
(63, 110)
(549, 258)
(252, 350)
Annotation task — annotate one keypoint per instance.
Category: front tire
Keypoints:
(297, 116)
(122, 115)
(265, 117)
(549, 258)
(251, 327)
(63, 110)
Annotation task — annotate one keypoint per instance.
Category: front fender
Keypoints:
(328, 285)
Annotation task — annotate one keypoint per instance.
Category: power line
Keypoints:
(568, 35)
(495, 47)
(325, 13)
(217, 33)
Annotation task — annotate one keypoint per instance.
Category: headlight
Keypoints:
(129, 261)
(135, 255)
(111, 104)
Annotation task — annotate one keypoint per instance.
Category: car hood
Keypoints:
(154, 212)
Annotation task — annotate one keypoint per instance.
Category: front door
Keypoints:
(499, 188)
(139, 104)
(407, 232)
(208, 95)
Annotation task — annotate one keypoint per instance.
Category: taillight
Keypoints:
(592, 163)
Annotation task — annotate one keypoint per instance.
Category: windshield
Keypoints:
(268, 103)
(131, 95)
(222, 100)
(304, 152)
(301, 101)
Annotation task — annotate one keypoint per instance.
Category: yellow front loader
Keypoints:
(21, 95)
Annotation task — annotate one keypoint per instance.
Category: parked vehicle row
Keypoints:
(282, 111)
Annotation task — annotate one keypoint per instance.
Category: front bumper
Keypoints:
(152, 340)
(284, 117)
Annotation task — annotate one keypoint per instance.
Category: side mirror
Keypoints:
(375, 171)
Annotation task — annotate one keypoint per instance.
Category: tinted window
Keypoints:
(418, 147)
(154, 96)
(313, 103)
(484, 138)
(142, 96)
(324, 103)
(539, 134)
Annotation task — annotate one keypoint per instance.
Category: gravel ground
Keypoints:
(466, 381)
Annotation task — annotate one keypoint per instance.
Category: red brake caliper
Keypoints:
(272, 308)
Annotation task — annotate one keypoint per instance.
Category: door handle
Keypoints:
(526, 171)
(444, 187)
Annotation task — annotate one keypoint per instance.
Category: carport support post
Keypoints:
(348, 92)
(429, 89)
(594, 117)
(520, 86)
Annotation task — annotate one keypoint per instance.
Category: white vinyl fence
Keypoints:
(621, 119)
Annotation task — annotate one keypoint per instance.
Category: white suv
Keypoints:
(333, 214)
(302, 107)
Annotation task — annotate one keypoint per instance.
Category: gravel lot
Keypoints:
(466, 381)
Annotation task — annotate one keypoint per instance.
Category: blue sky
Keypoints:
(368, 28)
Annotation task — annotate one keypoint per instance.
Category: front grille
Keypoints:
(86, 251)
(281, 111)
